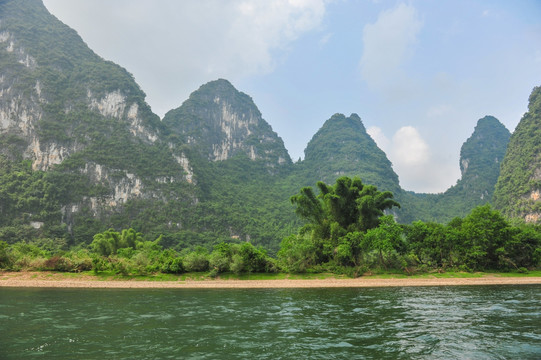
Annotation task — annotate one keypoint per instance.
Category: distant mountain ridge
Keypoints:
(480, 159)
(81, 151)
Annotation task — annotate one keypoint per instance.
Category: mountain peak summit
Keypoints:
(222, 122)
(343, 147)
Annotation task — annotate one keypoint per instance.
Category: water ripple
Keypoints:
(392, 323)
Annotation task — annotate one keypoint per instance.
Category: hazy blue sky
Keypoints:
(418, 73)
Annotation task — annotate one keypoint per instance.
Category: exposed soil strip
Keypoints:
(48, 280)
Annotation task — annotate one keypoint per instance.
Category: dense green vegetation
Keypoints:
(29, 207)
(336, 220)
(342, 147)
(346, 233)
(518, 188)
(368, 239)
(480, 159)
(127, 252)
(122, 171)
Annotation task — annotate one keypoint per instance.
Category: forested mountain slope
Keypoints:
(519, 185)
(342, 147)
(480, 159)
(82, 120)
(81, 152)
(237, 160)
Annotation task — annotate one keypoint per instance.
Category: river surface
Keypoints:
(471, 322)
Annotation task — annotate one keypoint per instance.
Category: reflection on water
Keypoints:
(483, 322)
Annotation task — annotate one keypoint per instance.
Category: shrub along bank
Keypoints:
(346, 232)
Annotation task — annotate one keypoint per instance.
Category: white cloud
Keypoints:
(172, 47)
(409, 148)
(387, 44)
(261, 27)
(379, 137)
(419, 170)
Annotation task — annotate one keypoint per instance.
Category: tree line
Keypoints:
(349, 229)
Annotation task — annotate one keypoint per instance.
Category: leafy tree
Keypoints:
(297, 253)
(197, 260)
(4, 257)
(348, 251)
(349, 203)
(110, 241)
(220, 258)
(384, 239)
(173, 265)
(484, 231)
(431, 243)
(337, 217)
(254, 260)
(522, 249)
(237, 264)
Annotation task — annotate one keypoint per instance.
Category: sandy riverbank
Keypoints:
(55, 280)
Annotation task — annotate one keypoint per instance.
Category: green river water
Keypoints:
(476, 322)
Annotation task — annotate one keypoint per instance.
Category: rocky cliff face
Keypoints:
(68, 111)
(103, 158)
(47, 84)
(221, 122)
(518, 189)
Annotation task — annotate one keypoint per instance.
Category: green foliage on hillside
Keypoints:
(242, 197)
(342, 147)
(520, 177)
(29, 206)
(245, 202)
(480, 159)
(60, 90)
